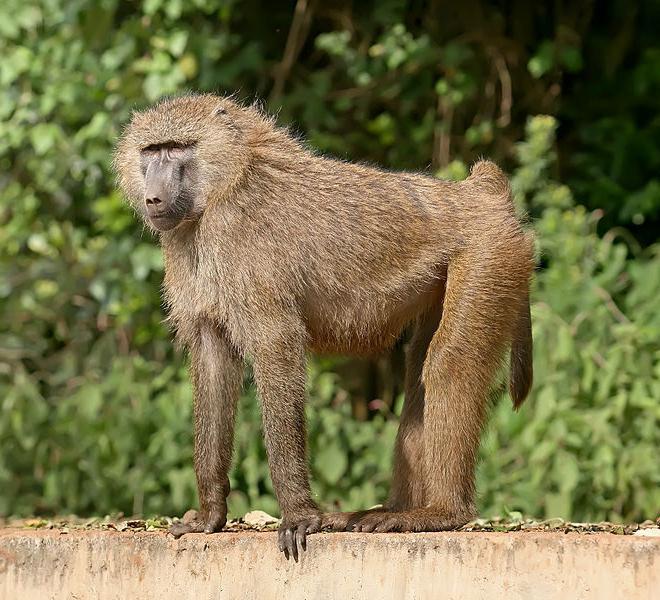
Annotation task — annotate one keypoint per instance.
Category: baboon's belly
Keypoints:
(360, 325)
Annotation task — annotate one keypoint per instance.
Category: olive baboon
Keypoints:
(271, 250)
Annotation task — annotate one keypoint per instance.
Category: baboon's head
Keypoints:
(176, 157)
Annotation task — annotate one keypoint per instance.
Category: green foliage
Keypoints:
(94, 403)
(616, 158)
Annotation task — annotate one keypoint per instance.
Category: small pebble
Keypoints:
(258, 518)
(650, 532)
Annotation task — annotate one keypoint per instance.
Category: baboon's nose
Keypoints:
(152, 200)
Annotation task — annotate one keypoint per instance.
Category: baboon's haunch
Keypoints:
(271, 250)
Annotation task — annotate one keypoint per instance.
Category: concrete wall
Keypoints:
(103, 565)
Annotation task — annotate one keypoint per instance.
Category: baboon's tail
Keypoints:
(489, 176)
(521, 369)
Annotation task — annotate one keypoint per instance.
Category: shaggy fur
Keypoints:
(282, 251)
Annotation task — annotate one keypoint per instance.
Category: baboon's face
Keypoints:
(169, 172)
(175, 158)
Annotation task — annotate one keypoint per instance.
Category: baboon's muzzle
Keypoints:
(165, 190)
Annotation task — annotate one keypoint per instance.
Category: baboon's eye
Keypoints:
(177, 151)
(169, 149)
(153, 149)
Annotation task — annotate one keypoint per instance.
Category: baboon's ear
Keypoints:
(228, 120)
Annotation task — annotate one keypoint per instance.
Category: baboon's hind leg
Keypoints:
(408, 480)
(407, 490)
(484, 291)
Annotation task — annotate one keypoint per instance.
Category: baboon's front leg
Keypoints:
(279, 371)
(217, 374)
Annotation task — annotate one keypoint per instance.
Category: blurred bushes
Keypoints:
(94, 405)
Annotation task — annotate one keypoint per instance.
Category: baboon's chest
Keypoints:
(195, 293)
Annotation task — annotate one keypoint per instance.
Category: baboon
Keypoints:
(271, 250)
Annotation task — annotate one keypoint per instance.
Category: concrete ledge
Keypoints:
(458, 565)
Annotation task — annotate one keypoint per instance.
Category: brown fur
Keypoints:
(285, 251)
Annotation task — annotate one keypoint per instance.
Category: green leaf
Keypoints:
(43, 137)
(331, 462)
(543, 60)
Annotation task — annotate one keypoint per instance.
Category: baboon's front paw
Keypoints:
(293, 531)
(423, 519)
(196, 522)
